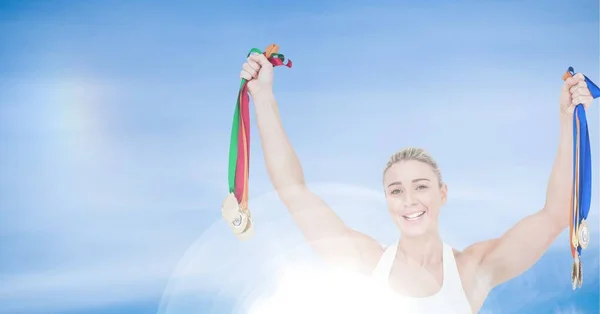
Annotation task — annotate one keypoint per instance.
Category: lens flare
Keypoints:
(276, 271)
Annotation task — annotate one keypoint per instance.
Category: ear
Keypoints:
(444, 190)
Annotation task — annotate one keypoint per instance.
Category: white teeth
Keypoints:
(414, 216)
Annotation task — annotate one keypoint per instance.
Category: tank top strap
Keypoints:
(381, 273)
(452, 281)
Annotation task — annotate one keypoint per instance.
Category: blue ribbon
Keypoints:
(585, 155)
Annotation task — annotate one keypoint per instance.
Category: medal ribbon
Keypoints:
(582, 166)
(239, 145)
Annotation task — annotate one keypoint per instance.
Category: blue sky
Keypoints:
(115, 120)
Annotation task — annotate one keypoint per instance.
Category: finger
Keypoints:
(246, 67)
(260, 59)
(583, 91)
(580, 90)
(584, 100)
(245, 75)
(569, 82)
(579, 84)
(253, 64)
(579, 77)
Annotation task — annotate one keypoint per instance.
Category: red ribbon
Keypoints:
(243, 155)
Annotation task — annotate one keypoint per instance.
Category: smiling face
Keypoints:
(414, 195)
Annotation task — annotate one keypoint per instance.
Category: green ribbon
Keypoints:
(233, 143)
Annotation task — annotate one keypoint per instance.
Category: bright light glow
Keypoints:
(312, 290)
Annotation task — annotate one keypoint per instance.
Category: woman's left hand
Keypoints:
(574, 92)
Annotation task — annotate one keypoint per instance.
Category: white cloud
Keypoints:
(98, 280)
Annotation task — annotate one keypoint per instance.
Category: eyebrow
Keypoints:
(415, 180)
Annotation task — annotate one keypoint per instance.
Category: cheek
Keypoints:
(394, 203)
(430, 198)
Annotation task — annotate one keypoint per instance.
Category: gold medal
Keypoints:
(583, 234)
(233, 215)
(575, 273)
(580, 275)
(574, 240)
(229, 207)
(238, 219)
(240, 223)
(248, 232)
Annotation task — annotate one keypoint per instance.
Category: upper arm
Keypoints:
(327, 234)
(516, 250)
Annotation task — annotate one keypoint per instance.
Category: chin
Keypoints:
(413, 227)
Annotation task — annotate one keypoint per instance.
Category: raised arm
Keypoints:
(323, 229)
(521, 247)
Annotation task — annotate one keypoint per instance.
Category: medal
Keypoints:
(580, 274)
(583, 235)
(582, 184)
(230, 209)
(235, 206)
(236, 218)
(573, 217)
(575, 273)
(248, 230)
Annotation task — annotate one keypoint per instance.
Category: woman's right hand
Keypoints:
(258, 71)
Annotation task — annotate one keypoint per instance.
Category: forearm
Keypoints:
(522, 245)
(558, 193)
(283, 166)
(319, 224)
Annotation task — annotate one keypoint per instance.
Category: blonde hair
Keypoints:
(417, 154)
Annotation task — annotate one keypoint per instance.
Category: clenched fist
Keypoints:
(258, 71)
(574, 92)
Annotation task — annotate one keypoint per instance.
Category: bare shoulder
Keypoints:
(371, 251)
(330, 238)
(354, 251)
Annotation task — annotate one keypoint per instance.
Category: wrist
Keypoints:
(566, 122)
(263, 97)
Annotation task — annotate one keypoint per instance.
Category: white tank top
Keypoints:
(450, 299)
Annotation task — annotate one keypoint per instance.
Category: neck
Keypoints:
(422, 250)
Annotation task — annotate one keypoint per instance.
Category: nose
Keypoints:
(409, 199)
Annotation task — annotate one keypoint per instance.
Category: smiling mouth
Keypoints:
(414, 216)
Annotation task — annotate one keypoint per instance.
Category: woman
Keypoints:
(420, 267)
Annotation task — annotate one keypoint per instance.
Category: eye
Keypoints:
(395, 191)
(421, 187)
